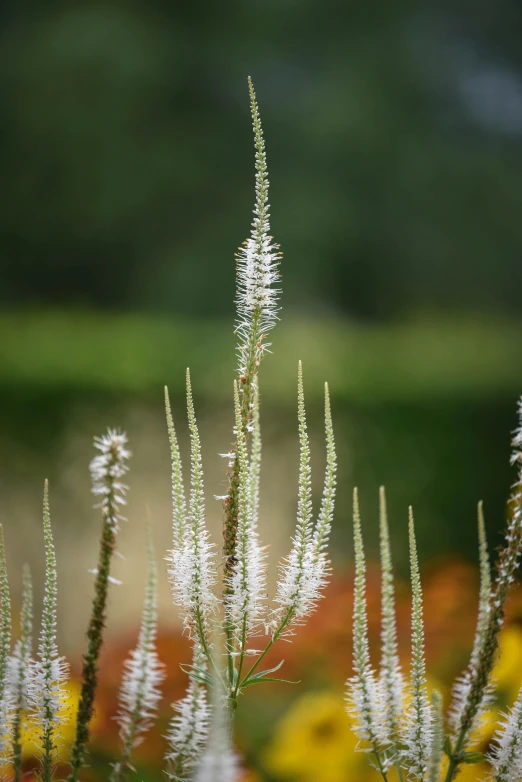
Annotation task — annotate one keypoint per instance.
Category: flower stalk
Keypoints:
(143, 674)
(48, 675)
(6, 700)
(20, 664)
(480, 668)
(107, 471)
(417, 736)
(257, 307)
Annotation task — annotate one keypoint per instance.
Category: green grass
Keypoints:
(138, 354)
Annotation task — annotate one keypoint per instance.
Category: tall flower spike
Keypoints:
(257, 273)
(191, 568)
(362, 688)
(189, 728)
(245, 606)
(179, 505)
(506, 756)
(462, 685)
(107, 471)
(6, 700)
(47, 689)
(437, 752)
(418, 731)
(257, 306)
(20, 664)
(296, 591)
(325, 518)
(508, 562)
(143, 673)
(255, 462)
(391, 678)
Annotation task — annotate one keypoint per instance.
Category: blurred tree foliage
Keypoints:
(393, 134)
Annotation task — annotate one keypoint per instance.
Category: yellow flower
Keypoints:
(314, 742)
(507, 673)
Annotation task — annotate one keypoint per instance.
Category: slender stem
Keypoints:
(379, 763)
(108, 474)
(399, 772)
(263, 653)
(206, 649)
(241, 657)
(229, 648)
(90, 660)
(455, 756)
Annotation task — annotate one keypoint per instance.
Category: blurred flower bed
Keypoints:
(302, 734)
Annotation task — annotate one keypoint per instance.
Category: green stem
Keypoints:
(94, 642)
(230, 659)
(275, 637)
(455, 756)
(241, 658)
(261, 656)
(206, 649)
(382, 771)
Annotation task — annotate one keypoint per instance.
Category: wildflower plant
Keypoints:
(19, 671)
(230, 613)
(400, 724)
(236, 623)
(223, 601)
(48, 674)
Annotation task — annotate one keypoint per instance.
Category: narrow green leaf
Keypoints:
(471, 757)
(264, 673)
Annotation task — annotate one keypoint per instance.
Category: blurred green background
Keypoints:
(394, 146)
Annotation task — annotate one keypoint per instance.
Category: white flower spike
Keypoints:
(189, 728)
(107, 471)
(47, 684)
(191, 567)
(143, 673)
(6, 694)
(362, 687)
(417, 735)
(245, 605)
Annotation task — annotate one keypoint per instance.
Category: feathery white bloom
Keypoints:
(189, 728)
(247, 584)
(391, 681)
(417, 734)
(437, 751)
(191, 566)
(257, 270)
(506, 756)
(296, 589)
(47, 679)
(179, 505)
(255, 462)
(462, 686)
(323, 527)
(20, 662)
(362, 691)
(107, 471)
(143, 673)
(474, 691)
(303, 575)
(510, 556)
(6, 695)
